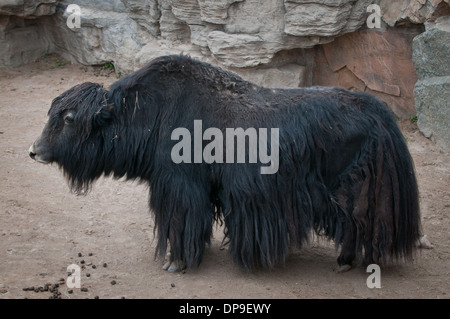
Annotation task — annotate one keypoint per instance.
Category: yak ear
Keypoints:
(104, 115)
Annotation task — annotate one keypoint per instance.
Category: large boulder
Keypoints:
(431, 49)
(433, 109)
(103, 36)
(324, 17)
(432, 91)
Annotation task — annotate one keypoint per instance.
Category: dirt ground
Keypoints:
(44, 227)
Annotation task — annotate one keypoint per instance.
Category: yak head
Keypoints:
(73, 135)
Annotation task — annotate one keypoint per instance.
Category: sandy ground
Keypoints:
(44, 227)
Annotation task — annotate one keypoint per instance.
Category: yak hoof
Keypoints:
(173, 266)
(166, 265)
(424, 243)
(342, 268)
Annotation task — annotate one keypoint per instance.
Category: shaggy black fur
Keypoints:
(344, 171)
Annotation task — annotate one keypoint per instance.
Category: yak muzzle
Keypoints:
(36, 155)
(31, 152)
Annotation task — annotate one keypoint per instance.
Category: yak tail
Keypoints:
(386, 213)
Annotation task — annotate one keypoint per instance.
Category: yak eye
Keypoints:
(68, 119)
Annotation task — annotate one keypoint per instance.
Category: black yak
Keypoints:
(343, 172)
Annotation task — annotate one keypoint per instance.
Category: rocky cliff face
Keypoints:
(431, 51)
(284, 43)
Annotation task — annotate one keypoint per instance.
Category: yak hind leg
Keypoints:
(348, 252)
(424, 243)
(342, 268)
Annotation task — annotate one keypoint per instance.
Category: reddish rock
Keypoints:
(376, 61)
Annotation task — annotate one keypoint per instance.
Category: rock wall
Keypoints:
(431, 51)
(27, 8)
(277, 43)
(233, 33)
(378, 62)
(22, 37)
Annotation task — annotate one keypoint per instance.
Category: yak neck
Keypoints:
(130, 139)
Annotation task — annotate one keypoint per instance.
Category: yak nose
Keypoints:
(31, 152)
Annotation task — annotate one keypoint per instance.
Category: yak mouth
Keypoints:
(36, 156)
